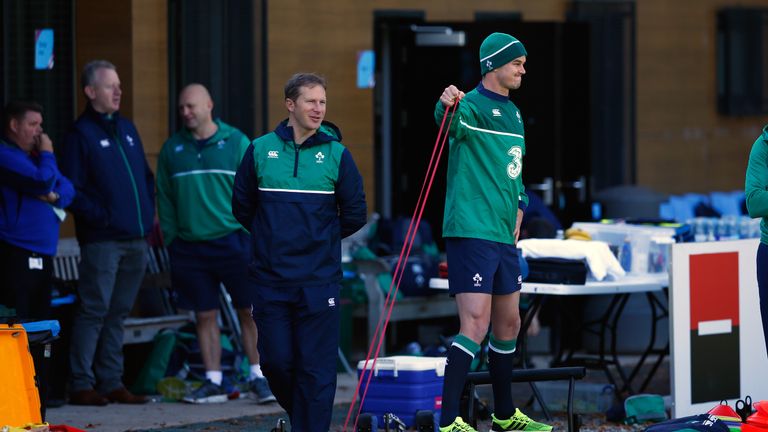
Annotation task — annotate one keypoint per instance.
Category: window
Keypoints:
(53, 88)
(742, 57)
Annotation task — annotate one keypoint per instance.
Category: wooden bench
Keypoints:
(405, 309)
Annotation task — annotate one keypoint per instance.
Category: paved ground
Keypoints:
(154, 415)
(246, 415)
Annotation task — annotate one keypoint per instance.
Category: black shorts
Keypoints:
(198, 269)
(482, 266)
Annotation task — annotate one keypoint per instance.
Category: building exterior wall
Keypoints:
(683, 144)
(326, 37)
(132, 34)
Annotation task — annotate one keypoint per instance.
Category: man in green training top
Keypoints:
(484, 206)
(195, 173)
(756, 191)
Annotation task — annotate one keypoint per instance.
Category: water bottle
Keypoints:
(744, 229)
(733, 227)
(711, 224)
(721, 229)
(625, 255)
(700, 232)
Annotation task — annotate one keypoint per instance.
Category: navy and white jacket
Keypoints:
(105, 160)
(298, 202)
(26, 221)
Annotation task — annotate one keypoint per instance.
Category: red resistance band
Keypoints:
(389, 302)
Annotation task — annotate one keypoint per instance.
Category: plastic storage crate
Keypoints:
(19, 400)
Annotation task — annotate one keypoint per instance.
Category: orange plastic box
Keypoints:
(19, 400)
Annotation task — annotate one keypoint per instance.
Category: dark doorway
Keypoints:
(213, 43)
(554, 101)
(612, 97)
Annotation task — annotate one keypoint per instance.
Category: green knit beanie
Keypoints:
(499, 49)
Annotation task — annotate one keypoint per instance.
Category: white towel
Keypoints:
(597, 254)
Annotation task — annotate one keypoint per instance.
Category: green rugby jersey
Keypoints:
(194, 185)
(485, 164)
(756, 183)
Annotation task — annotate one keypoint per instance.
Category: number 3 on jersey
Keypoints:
(514, 167)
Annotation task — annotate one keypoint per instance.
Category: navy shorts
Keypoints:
(198, 268)
(482, 266)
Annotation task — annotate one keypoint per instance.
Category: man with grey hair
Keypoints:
(114, 212)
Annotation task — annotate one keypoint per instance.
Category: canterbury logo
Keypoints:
(272, 154)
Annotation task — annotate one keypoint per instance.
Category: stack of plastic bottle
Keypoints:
(724, 228)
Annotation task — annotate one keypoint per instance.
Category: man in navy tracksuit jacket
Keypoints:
(298, 192)
(114, 212)
(32, 195)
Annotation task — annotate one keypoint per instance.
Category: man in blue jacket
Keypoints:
(32, 195)
(298, 192)
(114, 212)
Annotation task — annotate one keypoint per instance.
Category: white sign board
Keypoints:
(717, 345)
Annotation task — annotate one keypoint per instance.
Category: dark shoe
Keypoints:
(122, 395)
(208, 392)
(259, 390)
(87, 397)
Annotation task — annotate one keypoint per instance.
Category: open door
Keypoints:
(416, 61)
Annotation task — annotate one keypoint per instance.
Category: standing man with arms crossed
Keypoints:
(298, 192)
(114, 212)
(208, 247)
(756, 191)
(484, 205)
(32, 195)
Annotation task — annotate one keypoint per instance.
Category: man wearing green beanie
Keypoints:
(484, 205)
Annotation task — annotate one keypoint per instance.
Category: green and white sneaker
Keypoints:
(458, 425)
(519, 422)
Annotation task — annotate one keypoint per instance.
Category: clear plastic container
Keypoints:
(659, 254)
(625, 255)
(633, 244)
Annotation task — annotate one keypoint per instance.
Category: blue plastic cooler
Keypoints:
(403, 385)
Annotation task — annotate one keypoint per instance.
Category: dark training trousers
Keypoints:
(25, 282)
(762, 283)
(298, 344)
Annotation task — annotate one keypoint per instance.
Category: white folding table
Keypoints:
(606, 325)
